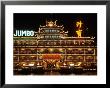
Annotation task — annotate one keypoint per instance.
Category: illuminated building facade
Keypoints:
(51, 48)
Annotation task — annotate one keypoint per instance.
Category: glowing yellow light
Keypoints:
(31, 64)
(50, 23)
(38, 64)
(79, 49)
(51, 49)
(42, 50)
(22, 49)
(24, 64)
(79, 63)
(79, 24)
(71, 64)
(64, 64)
(32, 56)
(70, 49)
(79, 32)
(61, 49)
(89, 49)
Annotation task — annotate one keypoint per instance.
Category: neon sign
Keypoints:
(79, 31)
(24, 33)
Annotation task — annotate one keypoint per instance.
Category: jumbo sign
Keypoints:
(24, 33)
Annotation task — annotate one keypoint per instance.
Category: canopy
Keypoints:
(51, 56)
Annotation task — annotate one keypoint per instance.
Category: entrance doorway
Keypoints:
(51, 60)
(50, 66)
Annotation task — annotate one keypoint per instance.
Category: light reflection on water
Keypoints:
(57, 73)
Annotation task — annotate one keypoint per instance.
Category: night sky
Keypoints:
(32, 21)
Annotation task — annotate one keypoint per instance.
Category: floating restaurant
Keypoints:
(51, 48)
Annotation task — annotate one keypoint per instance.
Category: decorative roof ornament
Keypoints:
(51, 23)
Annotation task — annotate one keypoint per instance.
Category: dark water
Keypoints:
(51, 72)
